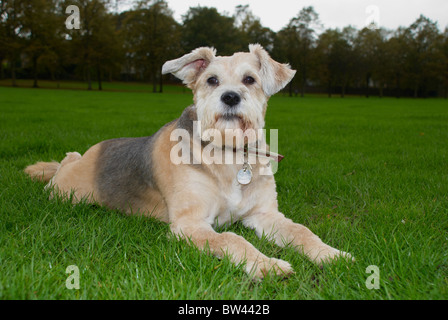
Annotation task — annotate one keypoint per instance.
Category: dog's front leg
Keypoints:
(275, 226)
(229, 244)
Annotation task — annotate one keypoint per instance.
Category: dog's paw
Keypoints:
(272, 266)
(329, 254)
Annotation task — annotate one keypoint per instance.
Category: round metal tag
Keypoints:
(244, 176)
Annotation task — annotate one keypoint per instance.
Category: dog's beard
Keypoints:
(236, 127)
(232, 121)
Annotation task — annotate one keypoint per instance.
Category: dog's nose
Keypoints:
(231, 98)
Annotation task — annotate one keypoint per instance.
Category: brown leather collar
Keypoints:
(260, 153)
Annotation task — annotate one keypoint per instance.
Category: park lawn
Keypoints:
(106, 85)
(369, 176)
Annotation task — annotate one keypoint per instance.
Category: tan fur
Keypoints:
(76, 175)
(42, 171)
(195, 198)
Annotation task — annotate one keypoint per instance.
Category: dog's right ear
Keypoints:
(188, 67)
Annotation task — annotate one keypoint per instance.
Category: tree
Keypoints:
(95, 42)
(336, 60)
(444, 64)
(11, 42)
(41, 27)
(397, 51)
(369, 47)
(284, 52)
(151, 37)
(3, 51)
(423, 60)
(107, 53)
(252, 31)
(300, 36)
(382, 61)
(204, 26)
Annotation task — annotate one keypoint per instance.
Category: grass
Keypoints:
(369, 176)
(106, 85)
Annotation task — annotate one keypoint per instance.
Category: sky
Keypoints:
(276, 14)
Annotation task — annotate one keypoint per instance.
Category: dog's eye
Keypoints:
(213, 81)
(248, 80)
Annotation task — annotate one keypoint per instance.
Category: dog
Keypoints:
(136, 175)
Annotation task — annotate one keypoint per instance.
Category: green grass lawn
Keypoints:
(107, 86)
(369, 176)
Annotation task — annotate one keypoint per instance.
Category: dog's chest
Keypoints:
(234, 197)
(234, 203)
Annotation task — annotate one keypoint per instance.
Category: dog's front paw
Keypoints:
(329, 254)
(277, 267)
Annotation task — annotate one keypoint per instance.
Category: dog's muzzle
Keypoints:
(231, 98)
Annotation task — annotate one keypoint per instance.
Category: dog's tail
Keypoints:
(42, 171)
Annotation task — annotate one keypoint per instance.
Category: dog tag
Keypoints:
(244, 176)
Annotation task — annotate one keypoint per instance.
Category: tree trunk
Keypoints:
(13, 73)
(160, 81)
(2, 75)
(89, 80)
(367, 85)
(398, 87)
(154, 83)
(35, 72)
(154, 78)
(302, 90)
(98, 73)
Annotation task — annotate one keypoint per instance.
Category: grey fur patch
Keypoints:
(124, 171)
(125, 165)
(186, 121)
(187, 118)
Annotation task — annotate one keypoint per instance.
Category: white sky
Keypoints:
(276, 14)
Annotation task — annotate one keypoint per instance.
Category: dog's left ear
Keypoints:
(188, 67)
(275, 76)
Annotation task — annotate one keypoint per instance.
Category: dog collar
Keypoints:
(260, 153)
(263, 153)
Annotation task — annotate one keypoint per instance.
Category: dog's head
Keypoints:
(231, 92)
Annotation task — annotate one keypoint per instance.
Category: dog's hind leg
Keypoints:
(70, 157)
(75, 175)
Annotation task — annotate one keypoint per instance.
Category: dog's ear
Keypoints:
(188, 67)
(275, 76)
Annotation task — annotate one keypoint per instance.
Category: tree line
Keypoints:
(132, 45)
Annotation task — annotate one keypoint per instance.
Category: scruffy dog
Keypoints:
(139, 174)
